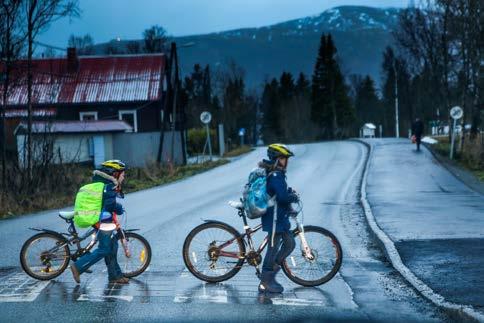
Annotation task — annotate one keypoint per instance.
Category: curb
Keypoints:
(464, 311)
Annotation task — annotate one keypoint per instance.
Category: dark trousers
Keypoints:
(418, 140)
(284, 244)
(107, 249)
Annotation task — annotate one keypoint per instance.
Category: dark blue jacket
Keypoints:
(109, 197)
(276, 185)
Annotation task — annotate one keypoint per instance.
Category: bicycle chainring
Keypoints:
(253, 258)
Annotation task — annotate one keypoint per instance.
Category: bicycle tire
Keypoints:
(335, 267)
(145, 262)
(27, 244)
(217, 225)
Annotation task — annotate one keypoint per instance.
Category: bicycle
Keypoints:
(223, 250)
(46, 255)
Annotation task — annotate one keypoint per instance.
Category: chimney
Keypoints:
(72, 61)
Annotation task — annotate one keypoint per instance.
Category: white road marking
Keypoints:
(103, 298)
(296, 302)
(19, 287)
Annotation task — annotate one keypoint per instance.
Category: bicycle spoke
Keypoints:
(204, 253)
(325, 254)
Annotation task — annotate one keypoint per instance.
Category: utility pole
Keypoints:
(175, 96)
(397, 131)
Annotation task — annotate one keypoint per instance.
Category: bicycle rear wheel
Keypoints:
(140, 257)
(213, 252)
(45, 255)
(327, 254)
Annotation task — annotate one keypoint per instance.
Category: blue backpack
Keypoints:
(256, 199)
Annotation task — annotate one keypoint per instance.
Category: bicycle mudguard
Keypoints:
(46, 230)
(130, 230)
(59, 234)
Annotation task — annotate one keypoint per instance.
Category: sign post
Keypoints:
(456, 113)
(206, 117)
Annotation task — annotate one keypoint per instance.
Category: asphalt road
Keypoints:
(327, 176)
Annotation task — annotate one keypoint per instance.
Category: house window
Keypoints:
(89, 115)
(129, 116)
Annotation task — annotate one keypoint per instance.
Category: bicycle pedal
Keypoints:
(88, 271)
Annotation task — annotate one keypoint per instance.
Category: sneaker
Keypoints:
(267, 283)
(75, 274)
(120, 280)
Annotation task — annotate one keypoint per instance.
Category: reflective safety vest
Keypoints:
(88, 205)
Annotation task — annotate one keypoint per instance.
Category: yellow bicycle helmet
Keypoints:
(275, 151)
(113, 165)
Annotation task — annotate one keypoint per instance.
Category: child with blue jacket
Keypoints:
(276, 220)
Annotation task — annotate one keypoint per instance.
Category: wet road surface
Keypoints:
(434, 219)
(327, 176)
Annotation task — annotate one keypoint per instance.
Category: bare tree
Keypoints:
(39, 14)
(444, 40)
(83, 44)
(155, 39)
(11, 41)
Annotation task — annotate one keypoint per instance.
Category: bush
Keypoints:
(196, 141)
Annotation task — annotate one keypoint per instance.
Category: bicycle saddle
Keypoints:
(236, 205)
(69, 215)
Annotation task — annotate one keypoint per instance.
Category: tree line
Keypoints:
(155, 39)
(286, 109)
(439, 62)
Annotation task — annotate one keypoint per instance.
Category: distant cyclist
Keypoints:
(112, 174)
(281, 241)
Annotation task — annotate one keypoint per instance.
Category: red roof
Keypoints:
(123, 78)
(76, 126)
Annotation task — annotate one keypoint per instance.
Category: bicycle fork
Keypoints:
(308, 254)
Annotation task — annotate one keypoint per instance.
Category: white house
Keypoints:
(368, 130)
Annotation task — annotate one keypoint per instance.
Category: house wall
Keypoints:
(108, 146)
(148, 114)
(63, 148)
(138, 149)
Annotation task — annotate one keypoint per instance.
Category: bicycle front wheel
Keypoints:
(140, 255)
(45, 256)
(324, 262)
(213, 252)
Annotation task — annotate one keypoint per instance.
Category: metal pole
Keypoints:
(452, 142)
(209, 141)
(397, 131)
(221, 139)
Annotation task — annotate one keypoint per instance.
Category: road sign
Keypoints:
(456, 113)
(205, 117)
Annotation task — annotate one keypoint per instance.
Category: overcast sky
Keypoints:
(109, 19)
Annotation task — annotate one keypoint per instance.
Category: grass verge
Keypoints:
(12, 203)
(470, 158)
